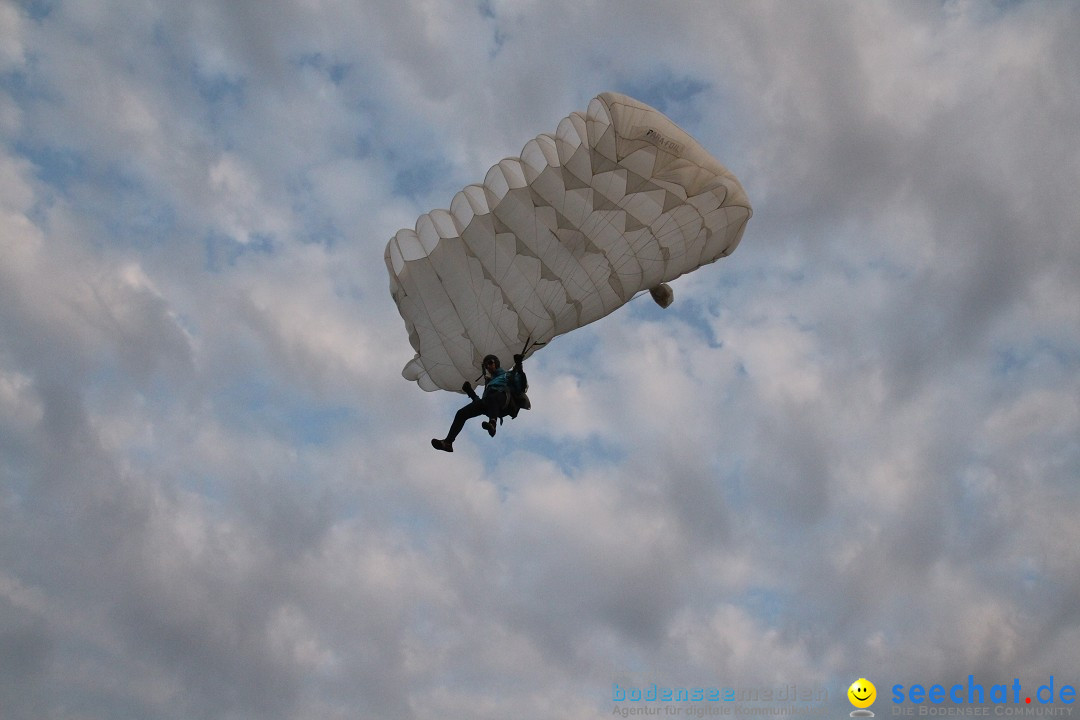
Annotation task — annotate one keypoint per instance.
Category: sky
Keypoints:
(850, 450)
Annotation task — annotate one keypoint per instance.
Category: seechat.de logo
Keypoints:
(862, 694)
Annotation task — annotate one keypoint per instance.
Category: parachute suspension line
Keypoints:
(567, 260)
(484, 304)
(479, 306)
(600, 223)
(524, 304)
(631, 258)
(493, 278)
(424, 299)
(544, 301)
(478, 295)
(529, 345)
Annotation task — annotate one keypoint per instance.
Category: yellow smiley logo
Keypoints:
(862, 693)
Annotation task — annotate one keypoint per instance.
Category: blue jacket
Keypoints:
(501, 379)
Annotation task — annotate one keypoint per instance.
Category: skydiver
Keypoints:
(504, 394)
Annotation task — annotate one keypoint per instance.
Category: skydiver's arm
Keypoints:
(519, 371)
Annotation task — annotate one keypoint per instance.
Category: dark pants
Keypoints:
(491, 404)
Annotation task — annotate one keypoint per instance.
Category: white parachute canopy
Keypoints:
(617, 201)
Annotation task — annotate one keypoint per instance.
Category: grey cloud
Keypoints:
(848, 446)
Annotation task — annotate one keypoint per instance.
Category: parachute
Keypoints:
(618, 201)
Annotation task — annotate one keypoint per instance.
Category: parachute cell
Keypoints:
(618, 201)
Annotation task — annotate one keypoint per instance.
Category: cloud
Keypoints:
(847, 450)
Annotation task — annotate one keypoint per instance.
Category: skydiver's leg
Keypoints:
(474, 409)
(494, 404)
